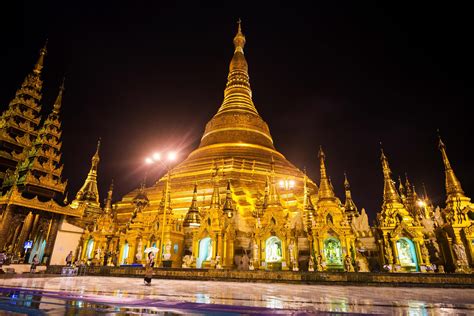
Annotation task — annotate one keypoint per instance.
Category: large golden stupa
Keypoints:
(236, 147)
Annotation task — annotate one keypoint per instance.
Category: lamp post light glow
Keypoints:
(421, 203)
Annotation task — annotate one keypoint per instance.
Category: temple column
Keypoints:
(393, 243)
(220, 247)
(28, 222)
(418, 255)
(34, 227)
(7, 217)
(132, 248)
(230, 252)
(15, 236)
(51, 238)
(284, 254)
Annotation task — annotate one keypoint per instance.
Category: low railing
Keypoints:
(348, 278)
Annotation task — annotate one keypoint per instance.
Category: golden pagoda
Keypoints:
(400, 235)
(88, 195)
(334, 238)
(232, 168)
(456, 229)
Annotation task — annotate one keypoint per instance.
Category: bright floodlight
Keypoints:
(172, 156)
(421, 203)
(282, 184)
(148, 160)
(156, 156)
(292, 183)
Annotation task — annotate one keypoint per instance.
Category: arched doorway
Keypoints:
(123, 260)
(333, 253)
(205, 251)
(90, 247)
(407, 254)
(273, 253)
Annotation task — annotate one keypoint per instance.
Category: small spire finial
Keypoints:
(39, 63)
(96, 155)
(239, 39)
(59, 99)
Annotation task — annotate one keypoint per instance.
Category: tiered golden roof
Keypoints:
(42, 167)
(18, 124)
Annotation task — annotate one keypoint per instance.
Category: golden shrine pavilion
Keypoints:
(236, 203)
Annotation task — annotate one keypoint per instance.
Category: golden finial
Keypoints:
(346, 182)
(322, 165)
(401, 188)
(96, 155)
(407, 182)
(453, 186)
(59, 99)
(381, 151)
(239, 39)
(39, 63)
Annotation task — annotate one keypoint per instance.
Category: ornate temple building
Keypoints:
(235, 202)
(31, 199)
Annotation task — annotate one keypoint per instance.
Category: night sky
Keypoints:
(146, 78)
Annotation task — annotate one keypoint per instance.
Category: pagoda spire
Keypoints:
(89, 192)
(21, 118)
(43, 158)
(238, 94)
(228, 207)
(390, 194)
(59, 99)
(410, 197)
(325, 187)
(193, 218)
(39, 64)
(401, 188)
(308, 206)
(453, 186)
(108, 200)
(349, 206)
(237, 121)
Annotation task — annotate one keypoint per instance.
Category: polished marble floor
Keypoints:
(111, 295)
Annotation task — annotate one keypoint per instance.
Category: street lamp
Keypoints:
(166, 163)
(421, 203)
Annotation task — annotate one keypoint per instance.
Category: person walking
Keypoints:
(34, 263)
(69, 259)
(149, 268)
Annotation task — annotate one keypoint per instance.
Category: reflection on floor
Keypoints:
(110, 295)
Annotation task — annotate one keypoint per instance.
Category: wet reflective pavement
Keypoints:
(111, 295)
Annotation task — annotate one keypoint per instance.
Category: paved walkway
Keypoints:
(204, 297)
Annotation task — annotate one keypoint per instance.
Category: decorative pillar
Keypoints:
(28, 222)
(51, 238)
(419, 257)
(7, 217)
(395, 250)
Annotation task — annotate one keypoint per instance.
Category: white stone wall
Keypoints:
(67, 240)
